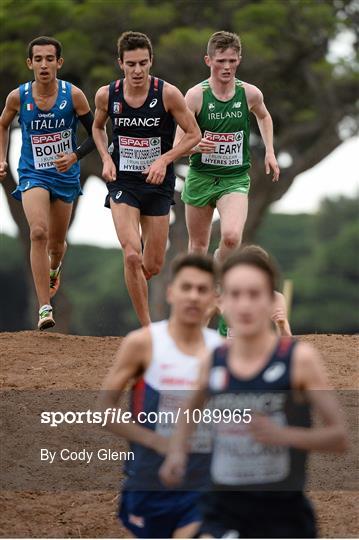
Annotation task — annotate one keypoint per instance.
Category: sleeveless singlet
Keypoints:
(164, 387)
(227, 124)
(140, 135)
(47, 133)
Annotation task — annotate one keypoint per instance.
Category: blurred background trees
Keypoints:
(285, 53)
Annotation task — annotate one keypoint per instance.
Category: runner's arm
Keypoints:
(130, 362)
(257, 107)
(82, 109)
(308, 374)
(175, 104)
(100, 135)
(12, 107)
(194, 99)
(280, 315)
(174, 466)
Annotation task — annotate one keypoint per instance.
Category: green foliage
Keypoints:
(326, 294)
(288, 238)
(320, 253)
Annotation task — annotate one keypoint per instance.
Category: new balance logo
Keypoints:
(237, 105)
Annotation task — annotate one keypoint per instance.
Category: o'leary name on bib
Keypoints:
(228, 151)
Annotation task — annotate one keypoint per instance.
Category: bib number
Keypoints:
(46, 147)
(138, 153)
(228, 151)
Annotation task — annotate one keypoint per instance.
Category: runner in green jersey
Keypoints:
(219, 165)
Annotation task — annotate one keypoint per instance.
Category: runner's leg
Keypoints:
(233, 210)
(126, 219)
(60, 215)
(155, 235)
(199, 224)
(36, 204)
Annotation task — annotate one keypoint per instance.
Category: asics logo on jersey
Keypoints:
(274, 372)
(118, 194)
(236, 105)
(218, 378)
(153, 103)
(63, 104)
(27, 185)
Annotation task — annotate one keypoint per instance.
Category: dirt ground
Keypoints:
(30, 360)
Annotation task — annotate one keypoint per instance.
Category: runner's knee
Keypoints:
(198, 245)
(133, 259)
(231, 239)
(39, 233)
(153, 268)
(56, 248)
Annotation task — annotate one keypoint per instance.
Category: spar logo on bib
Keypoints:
(228, 151)
(138, 153)
(47, 146)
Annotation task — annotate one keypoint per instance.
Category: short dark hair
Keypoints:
(252, 258)
(44, 40)
(130, 41)
(193, 260)
(223, 40)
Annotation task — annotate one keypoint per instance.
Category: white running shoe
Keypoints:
(46, 319)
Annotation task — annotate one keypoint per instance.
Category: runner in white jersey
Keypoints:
(163, 360)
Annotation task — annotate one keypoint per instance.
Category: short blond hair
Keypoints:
(223, 40)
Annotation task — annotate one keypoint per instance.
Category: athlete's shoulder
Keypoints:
(253, 94)
(102, 95)
(79, 100)
(13, 100)
(173, 98)
(194, 97)
(213, 338)
(140, 337)
(170, 90)
(308, 366)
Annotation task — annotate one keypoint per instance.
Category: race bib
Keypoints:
(138, 153)
(229, 149)
(238, 459)
(171, 408)
(46, 147)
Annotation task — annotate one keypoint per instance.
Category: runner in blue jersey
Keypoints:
(266, 386)
(139, 168)
(161, 362)
(49, 171)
